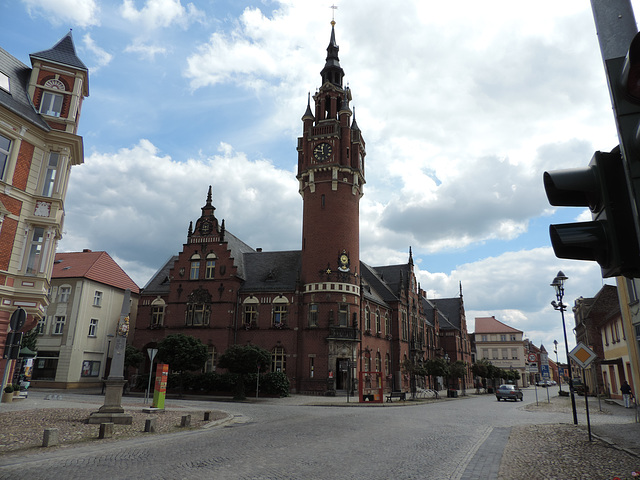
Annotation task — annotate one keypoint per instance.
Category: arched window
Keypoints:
(378, 326)
(313, 315)
(157, 312)
(210, 266)
(280, 312)
(250, 319)
(387, 324)
(198, 308)
(386, 364)
(194, 272)
(278, 360)
(367, 319)
(378, 362)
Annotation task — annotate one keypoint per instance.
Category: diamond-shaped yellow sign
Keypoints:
(582, 355)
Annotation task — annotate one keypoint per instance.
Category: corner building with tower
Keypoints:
(324, 315)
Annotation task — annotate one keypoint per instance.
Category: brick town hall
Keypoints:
(323, 314)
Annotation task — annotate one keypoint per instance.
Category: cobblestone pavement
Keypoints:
(473, 437)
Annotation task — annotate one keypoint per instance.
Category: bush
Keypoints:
(8, 389)
(275, 383)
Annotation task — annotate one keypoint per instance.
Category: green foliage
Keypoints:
(481, 368)
(275, 383)
(245, 359)
(30, 339)
(437, 367)
(132, 357)
(8, 388)
(457, 369)
(182, 352)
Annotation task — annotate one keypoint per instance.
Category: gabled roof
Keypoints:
(63, 53)
(159, 283)
(271, 271)
(375, 288)
(450, 310)
(491, 325)
(96, 266)
(17, 100)
(238, 249)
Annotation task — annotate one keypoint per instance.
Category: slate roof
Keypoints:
(491, 325)
(271, 271)
(63, 53)
(96, 266)
(238, 249)
(375, 288)
(17, 100)
(159, 283)
(449, 308)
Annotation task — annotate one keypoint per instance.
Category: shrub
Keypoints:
(8, 389)
(275, 383)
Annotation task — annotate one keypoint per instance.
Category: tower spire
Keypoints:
(332, 71)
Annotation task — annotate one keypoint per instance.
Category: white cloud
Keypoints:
(157, 14)
(81, 13)
(103, 58)
(146, 51)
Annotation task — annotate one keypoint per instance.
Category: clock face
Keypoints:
(343, 262)
(322, 151)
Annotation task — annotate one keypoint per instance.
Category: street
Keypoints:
(281, 440)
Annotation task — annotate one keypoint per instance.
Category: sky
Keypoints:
(463, 105)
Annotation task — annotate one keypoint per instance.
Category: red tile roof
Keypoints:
(491, 325)
(96, 266)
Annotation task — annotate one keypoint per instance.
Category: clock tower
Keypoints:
(331, 155)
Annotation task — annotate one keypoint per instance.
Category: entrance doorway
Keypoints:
(342, 373)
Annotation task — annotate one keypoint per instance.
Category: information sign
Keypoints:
(582, 355)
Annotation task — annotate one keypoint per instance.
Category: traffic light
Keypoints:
(609, 238)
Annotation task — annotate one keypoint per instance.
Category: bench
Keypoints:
(401, 395)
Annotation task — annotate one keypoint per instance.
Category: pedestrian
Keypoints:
(626, 394)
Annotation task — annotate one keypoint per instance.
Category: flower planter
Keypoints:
(7, 397)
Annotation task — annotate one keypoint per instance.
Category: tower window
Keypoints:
(5, 145)
(51, 104)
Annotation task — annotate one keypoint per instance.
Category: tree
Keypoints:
(436, 367)
(132, 357)
(243, 360)
(30, 339)
(457, 369)
(183, 353)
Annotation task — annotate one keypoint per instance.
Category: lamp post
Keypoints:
(558, 285)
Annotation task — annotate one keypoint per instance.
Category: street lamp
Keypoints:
(558, 285)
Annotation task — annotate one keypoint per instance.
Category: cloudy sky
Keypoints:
(463, 105)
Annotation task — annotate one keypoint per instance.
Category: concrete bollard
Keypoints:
(186, 421)
(106, 430)
(207, 416)
(50, 437)
(150, 425)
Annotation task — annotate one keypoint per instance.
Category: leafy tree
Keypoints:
(30, 339)
(132, 357)
(183, 353)
(458, 369)
(481, 368)
(244, 360)
(436, 367)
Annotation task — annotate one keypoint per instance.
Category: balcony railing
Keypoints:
(344, 333)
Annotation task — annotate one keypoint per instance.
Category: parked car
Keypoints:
(509, 392)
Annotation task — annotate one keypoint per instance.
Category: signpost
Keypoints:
(583, 356)
(152, 354)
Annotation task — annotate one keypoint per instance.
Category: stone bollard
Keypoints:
(106, 430)
(185, 421)
(50, 437)
(207, 416)
(150, 425)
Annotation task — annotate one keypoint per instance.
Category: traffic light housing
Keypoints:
(609, 238)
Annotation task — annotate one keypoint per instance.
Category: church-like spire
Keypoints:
(308, 115)
(332, 71)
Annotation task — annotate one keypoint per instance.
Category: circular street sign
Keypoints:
(18, 317)
(532, 357)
